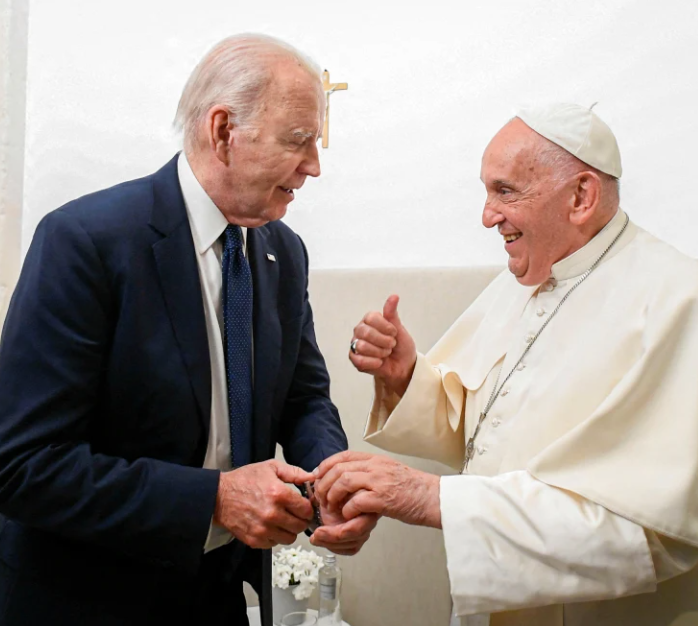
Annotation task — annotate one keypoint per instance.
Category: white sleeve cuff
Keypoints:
(217, 537)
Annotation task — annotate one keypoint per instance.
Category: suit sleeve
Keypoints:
(53, 355)
(311, 429)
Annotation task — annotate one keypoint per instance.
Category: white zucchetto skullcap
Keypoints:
(578, 130)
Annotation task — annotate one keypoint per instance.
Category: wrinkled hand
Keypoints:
(384, 348)
(358, 483)
(345, 537)
(256, 505)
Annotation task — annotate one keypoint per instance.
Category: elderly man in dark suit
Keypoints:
(159, 344)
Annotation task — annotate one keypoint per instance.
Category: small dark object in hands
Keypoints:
(308, 491)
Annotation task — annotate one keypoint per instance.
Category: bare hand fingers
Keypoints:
(347, 552)
(333, 474)
(341, 457)
(282, 536)
(375, 337)
(349, 547)
(284, 497)
(342, 551)
(361, 503)
(376, 320)
(290, 473)
(390, 310)
(264, 536)
(276, 513)
(331, 544)
(290, 523)
(347, 484)
(357, 529)
(365, 348)
(298, 506)
(365, 364)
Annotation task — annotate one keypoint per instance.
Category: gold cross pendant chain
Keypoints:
(470, 446)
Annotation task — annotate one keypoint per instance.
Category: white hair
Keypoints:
(564, 165)
(236, 73)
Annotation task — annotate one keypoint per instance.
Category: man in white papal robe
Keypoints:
(573, 377)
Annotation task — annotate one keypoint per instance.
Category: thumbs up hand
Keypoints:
(382, 347)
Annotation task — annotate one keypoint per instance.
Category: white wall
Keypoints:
(429, 83)
(13, 65)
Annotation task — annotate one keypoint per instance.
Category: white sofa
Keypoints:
(399, 578)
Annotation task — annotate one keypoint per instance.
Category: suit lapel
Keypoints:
(267, 334)
(178, 272)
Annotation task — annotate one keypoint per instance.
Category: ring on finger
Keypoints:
(352, 346)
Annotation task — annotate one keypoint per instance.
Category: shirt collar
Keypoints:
(580, 261)
(206, 221)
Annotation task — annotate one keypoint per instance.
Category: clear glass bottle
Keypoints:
(330, 578)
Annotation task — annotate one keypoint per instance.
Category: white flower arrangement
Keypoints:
(296, 567)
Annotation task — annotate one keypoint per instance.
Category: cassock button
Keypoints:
(496, 422)
(481, 450)
(540, 312)
(505, 392)
(530, 337)
(549, 284)
(520, 367)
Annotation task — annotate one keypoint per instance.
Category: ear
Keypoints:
(218, 132)
(586, 197)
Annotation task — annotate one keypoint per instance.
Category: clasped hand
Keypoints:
(352, 484)
(256, 505)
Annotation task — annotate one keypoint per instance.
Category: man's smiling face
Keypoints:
(527, 204)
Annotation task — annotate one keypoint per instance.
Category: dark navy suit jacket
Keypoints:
(105, 395)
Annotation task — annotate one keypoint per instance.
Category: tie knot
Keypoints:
(233, 237)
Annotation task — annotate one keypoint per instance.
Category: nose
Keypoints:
(310, 165)
(490, 216)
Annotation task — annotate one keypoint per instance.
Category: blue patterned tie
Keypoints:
(237, 342)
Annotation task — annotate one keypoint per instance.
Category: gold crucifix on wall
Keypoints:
(330, 88)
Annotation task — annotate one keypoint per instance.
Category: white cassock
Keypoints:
(582, 497)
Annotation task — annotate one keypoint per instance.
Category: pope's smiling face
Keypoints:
(528, 205)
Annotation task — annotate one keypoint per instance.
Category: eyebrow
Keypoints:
(498, 182)
(302, 134)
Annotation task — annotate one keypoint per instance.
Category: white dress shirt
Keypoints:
(207, 225)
